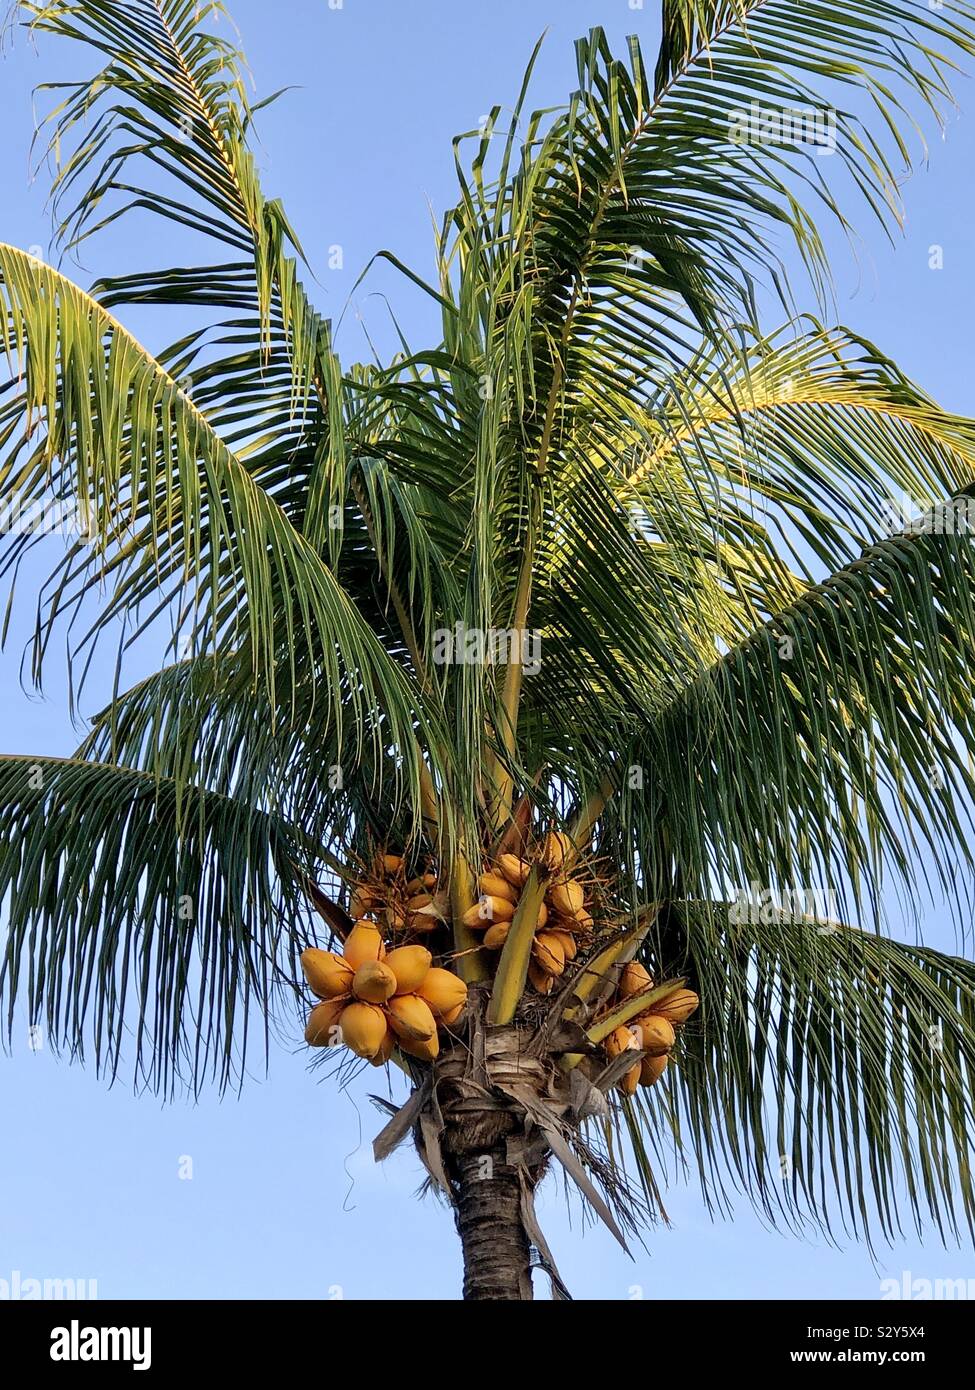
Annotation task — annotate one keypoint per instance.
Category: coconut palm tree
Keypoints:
(585, 652)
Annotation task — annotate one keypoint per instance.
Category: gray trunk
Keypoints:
(497, 1252)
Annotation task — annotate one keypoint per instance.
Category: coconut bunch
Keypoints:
(406, 907)
(650, 1035)
(562, 918)
(374, 1000)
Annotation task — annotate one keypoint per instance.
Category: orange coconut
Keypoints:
(328, 975)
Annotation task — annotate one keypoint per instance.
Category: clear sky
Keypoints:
(274, 1194)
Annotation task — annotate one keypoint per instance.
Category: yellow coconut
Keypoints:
(423, 1048)
(374, 982)
(678, 1007)
(542, 916)
(655, 1034)
(540, 978)
(567, 897)
(620, 1040)
(556, 849)
(394, 918)
(410, 1017)
(409, 964)
(362, 901)
(581, 921)
(450, 1018)
(363, 1028)
(418, 901)
(495, 909)
(566, 940)
(386, 1049)
(323, 1024)
(632, 1079)
(389, 864)
(443, 991)
(496, 936)
(328, 975)
(424, 884)
(652, 1069)
(512, 868)
(363, 943)
(497, 886)
(548, 953)
(487, 910)
(634, 979)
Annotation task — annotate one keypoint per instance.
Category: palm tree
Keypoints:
(578, 650)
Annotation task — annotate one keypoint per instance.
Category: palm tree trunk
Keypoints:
(497, 1251)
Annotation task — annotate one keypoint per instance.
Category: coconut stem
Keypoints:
(582, 828)
(502, 771)
(467, 953)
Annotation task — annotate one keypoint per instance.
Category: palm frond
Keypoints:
(829, 1075)
(831, 747)
(144, 918)
(723, 64)
(168, 503)
(162, 127)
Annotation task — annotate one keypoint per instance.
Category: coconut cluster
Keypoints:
(562, 917)
(383, 991)
(406, 907)
(374, 1000)
(651, 1034)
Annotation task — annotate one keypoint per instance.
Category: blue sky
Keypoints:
(283, 1198)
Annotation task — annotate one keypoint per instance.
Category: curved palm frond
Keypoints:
(165, 500)
(169, 106)
(829, 1076)
(830, 748)
(200, 722)
(746, 110)
(162, 127)
(815, 431)
(145, 917)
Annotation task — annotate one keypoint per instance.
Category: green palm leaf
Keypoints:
(167, 500)
(145, 919)
(828, 747)
(829, 1075)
